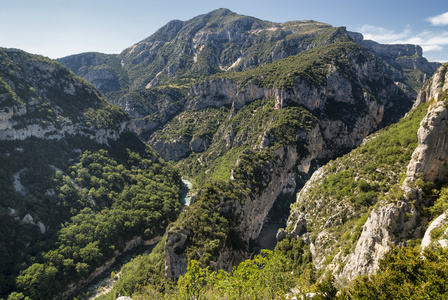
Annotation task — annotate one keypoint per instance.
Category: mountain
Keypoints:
(258, 116)
(260, 103)
(376, 211)
(41, 98)
(77, 188)
(221, 41)
(218, 41)
(182, 53)
(336, 97)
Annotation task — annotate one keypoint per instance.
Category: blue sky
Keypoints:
(57, 28)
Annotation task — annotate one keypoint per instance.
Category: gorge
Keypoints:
(340, 138)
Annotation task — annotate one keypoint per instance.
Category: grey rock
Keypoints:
(387, 225)
(430, 158)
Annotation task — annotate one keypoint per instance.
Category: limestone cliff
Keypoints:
(430, 159)
(387, 225)
(345, 109)
(41, 98)
(353, 210)
(349, 106)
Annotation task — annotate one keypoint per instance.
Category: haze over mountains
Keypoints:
(247, 110)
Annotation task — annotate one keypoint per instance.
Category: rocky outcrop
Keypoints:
(386, 225)
(396, 58)
(40, 98)
(150, 108)
(345, 115)
(439, 222)
(430, 159)
(435, 88)
(55, 132)
(223, 91)
(173, 149)
(175, 263)
(105, 80)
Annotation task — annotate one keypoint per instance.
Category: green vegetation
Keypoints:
(311, 66)
(263, 277)
(357, 182)
(405, 273)
(415, 78)
(143, 277)
(374, 167)
(119, 202)
(68, 101)
(194, 124)
(209, 227)
(91, 209)
(256, 125)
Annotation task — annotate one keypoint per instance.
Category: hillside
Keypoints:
(277, 131)
(76, 189)
(299, 123)
(183, 53)
(347, 221)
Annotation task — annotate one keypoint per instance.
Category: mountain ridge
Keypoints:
(247, 110)
(182, 54)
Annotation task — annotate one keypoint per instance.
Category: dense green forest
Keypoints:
(79, 190)
(288, 270)
(91, 203)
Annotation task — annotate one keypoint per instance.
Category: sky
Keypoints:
(58, 28)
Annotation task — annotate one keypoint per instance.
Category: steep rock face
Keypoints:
(282, 181)
(247, 219)
(348, 109)
(398, 60)
(353, 210)
(430, 158)
(150, 108)
(223, 91)
(105, 80)
(41, 98)
(387, 225)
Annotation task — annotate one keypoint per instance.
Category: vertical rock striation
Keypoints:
(430, 159)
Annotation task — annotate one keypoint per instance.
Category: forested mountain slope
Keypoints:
(76, 190)
(349, 215)
(287, 118)
(348, 220)
(245, 109)
(184, 52)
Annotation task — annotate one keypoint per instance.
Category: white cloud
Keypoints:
(439, 20)
(428, 40)
(383, 35)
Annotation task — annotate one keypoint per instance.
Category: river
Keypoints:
(185, 193)
(104, 283)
